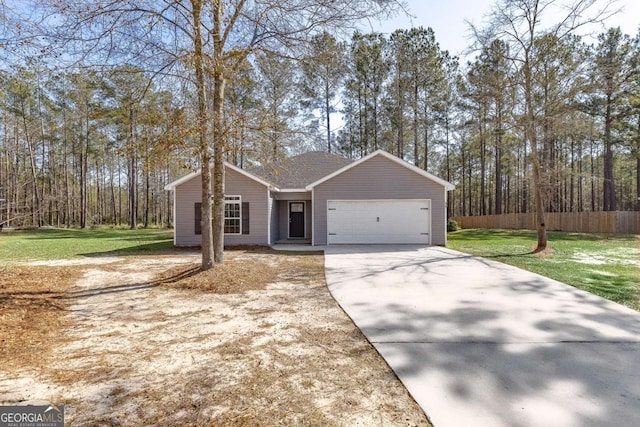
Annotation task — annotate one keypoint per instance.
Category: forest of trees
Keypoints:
(96, 146)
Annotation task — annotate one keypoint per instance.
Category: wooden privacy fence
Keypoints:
(578, 222)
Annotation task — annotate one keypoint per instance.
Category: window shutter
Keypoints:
(198, 218)
(245, 217)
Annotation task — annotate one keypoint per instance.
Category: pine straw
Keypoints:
(544, 253)
(237, 275)
(275, 381)
(32, 314)
(286, 380)
(273, 348)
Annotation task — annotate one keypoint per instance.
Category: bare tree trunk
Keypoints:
(498, 160)
(498, 184)
(133, 172)
(327, 109)
(67, 197)
(147, 184)
(168, 194)
(448, 161)
(470, 185)
(4, 173)
(114, 211)
(525, 188)
(609, 199)
(483, 167)
(593, 178)
(361, 127)
(84, 153)
(464, 187)
(147, 190)
(508, 195)
(43, 142)
(530, 129)
(35, 207)
(54, 187)
(426, 137)
(400, 117)
(98, 204)
(119, 195)
(416, 136)
(205, 158)
(365, 141)
(572, 178)
(219, 136)
(375, 122)
(638, 164)
(580, 196)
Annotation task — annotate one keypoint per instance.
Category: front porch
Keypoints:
(291, 220)
(293, 242)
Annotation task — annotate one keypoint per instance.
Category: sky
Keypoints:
(447, 18)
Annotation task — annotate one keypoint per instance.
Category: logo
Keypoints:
(32, 416)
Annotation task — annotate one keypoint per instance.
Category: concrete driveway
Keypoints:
(480, 343)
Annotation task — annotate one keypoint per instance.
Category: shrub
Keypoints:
(452, 225)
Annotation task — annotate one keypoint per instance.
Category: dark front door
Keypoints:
(296, 219)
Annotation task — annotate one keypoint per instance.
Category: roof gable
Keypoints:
(192, 175)
(447, 185)
(299, 171)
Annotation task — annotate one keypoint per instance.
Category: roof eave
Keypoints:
(447, 185)
(192, 175)
(249, 175)
(172, 185)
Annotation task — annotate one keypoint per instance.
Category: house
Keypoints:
(321, 198)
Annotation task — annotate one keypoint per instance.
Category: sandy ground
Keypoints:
(141, 354)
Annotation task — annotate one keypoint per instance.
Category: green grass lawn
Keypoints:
(63, 243)
(603, 264)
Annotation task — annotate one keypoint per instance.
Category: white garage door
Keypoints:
(378, 221)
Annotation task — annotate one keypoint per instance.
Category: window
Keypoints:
(232, 215)
(236, 216)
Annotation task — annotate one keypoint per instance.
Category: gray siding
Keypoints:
(380, 178)
(186, 195)
(283, 219)
(295, 196)
(189, 193)
(308, 230)
(273, 218)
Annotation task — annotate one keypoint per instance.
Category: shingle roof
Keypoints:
(301, 170)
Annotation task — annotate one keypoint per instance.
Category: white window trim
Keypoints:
(235, 200)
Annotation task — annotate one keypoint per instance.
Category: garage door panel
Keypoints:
(379, 221)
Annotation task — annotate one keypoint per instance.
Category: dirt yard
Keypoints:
(150, 341)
